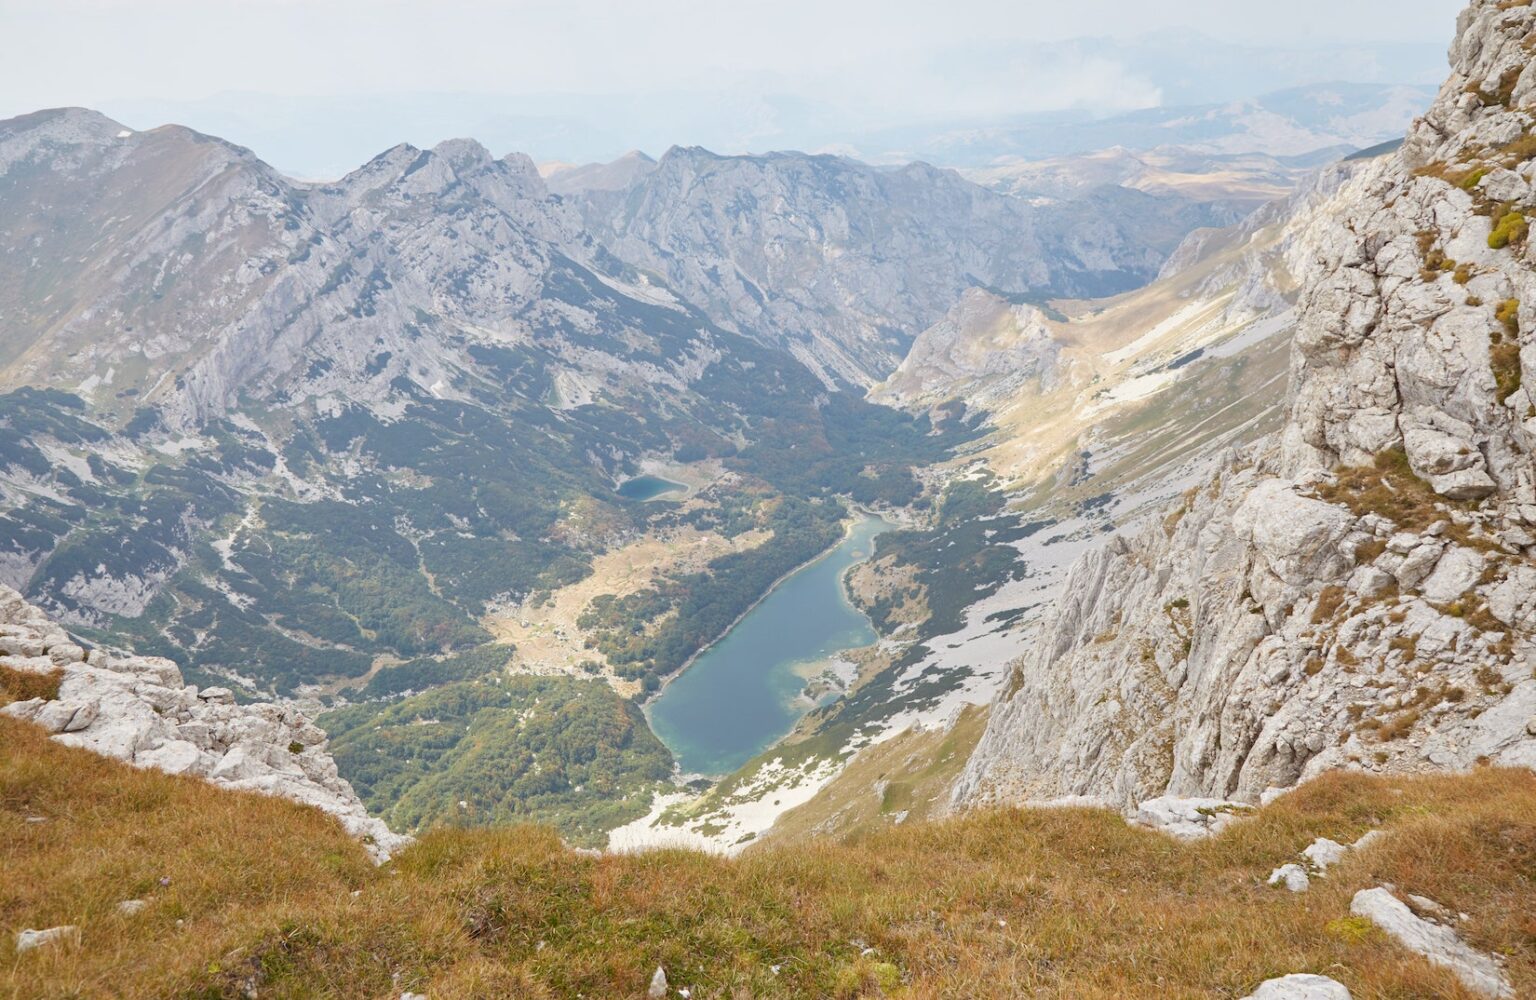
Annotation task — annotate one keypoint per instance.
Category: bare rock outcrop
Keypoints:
(1355, 592)
(1482, 974)
(136, 709)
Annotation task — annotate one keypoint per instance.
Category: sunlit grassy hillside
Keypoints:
(250, 896)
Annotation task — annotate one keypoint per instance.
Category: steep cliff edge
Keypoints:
(1360, 590)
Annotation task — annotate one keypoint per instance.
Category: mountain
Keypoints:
(1238, 183)
(1352, 592)
(407, 395)
(363, 444)
(1205, 617)
(1134, 652)
(842, 263)
(571, 179)
(1295, 122)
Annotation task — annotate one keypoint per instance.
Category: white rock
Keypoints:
(1456, 573)
(28, 939)
(135, 709)
(1325, 853)
(1369, 581)
(1301, 987)
(130, 907)
(658, 984)
(1296, 536)
(65, 716)
(173, 757)
(65, 653)
(1440, 945)
(1188, 819)
(1293, 877)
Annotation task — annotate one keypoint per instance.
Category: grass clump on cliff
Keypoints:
(1388, 487)
(1504, 350)
(248, 894)
(1509, 229)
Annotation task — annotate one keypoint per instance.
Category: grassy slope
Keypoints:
(906, 778)
(1093, 908)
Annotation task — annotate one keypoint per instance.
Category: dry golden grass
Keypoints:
(22, 685)
(1069, 903)
(1390, 487)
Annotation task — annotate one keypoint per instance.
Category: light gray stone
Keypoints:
(1301, 987)
(1456, 573)
(136, 710)
(28, 939)
(1325, 853)
(1293, 877)
(1439, 944)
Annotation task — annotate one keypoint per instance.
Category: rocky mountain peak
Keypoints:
(65, 125)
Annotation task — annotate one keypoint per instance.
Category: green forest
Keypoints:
(502, 749)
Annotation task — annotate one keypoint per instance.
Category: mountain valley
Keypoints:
(1099, 526)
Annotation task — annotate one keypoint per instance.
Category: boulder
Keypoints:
(28, 939)
(65, 653)
(1482, 974)
(217, 696)
(1435, 453)
(1293, 877)
(1188, 819)
(1325, 853)
(1300, 987)
(173, 757)
(1297, 537)
(1457, 572)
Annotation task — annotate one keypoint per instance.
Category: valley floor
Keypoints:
(251, 896)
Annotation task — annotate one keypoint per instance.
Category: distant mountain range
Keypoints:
(230, 397)
(324, 137)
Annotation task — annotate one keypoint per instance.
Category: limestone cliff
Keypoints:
(1360, 590)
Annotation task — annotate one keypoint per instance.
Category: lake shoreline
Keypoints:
(848, 527)
(749, 659)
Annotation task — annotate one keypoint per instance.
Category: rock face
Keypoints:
(1354, 592)
(986, 344)
(135, 709)
(843, 263)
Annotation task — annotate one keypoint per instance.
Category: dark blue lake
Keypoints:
(648, 488)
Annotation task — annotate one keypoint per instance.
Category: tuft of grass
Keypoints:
(1390, 487)
(1329, 603)
(1503, 90)
(1504, 350)
(1368, 552)
(1353, 930)
(23, 685)
(1510, 229)
(1070, 903)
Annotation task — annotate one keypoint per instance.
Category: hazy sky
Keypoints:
(874, 60)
